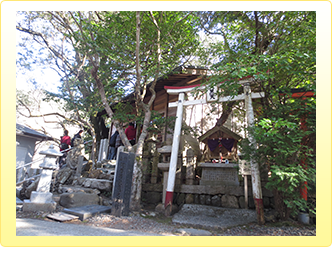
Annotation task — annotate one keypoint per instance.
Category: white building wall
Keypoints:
(48, 125)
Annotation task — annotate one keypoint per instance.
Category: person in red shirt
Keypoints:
(65, 141)
(64, 144)
(131, 133)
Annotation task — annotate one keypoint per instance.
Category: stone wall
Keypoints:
(220, 196)
(189, 190)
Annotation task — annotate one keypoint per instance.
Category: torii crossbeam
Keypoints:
(247, 96)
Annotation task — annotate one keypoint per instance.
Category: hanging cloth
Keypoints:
(213, 144)
(228, 143)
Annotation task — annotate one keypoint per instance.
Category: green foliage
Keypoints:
(288, 152)
(157, 123)
(123, 112)
(277, 49)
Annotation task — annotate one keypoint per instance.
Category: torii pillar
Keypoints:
(180, 91)
(255, 175)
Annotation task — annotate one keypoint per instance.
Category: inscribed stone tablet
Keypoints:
(122, 184)
(219, 176)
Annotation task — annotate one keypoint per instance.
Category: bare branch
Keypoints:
(52, 49)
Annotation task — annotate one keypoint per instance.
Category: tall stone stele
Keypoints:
(42, 198)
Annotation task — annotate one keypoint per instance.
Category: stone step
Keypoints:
(87, 211)
(100, 184)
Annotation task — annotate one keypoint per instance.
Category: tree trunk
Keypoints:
(226, 111)
(101, 130)
(136, 190)
(137, 173)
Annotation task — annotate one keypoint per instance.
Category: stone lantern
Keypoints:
(42, 198)
(164, 166)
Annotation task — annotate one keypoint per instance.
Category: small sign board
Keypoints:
(212, 95)
(245, 168)
(122, 184)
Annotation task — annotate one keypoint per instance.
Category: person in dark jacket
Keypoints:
(112, 148)
(76, 136)
(118, 143)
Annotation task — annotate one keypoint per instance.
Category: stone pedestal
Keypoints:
(216, 174)
(164, 167)
(42, 198)
(29, 206)
(40, 201)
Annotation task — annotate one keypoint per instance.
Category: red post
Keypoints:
(304, 189)
(303, 126)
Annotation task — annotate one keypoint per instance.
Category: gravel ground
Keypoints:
(147, 221)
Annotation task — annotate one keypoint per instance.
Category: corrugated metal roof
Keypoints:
(23, 130)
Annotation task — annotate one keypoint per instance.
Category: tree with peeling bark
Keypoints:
(144, 45)
(50, 32)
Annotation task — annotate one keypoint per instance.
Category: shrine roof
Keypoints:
(222, 129)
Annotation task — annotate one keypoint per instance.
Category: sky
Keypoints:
(46, 78)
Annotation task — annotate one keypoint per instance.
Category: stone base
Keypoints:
(204, 216)
(29, 206)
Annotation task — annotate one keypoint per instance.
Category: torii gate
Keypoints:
(247, 96)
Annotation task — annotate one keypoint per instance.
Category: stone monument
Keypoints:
(122, 184)
(215, 174)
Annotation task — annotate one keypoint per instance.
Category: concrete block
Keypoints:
(29, 206)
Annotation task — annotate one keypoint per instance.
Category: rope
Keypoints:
(43, 157)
